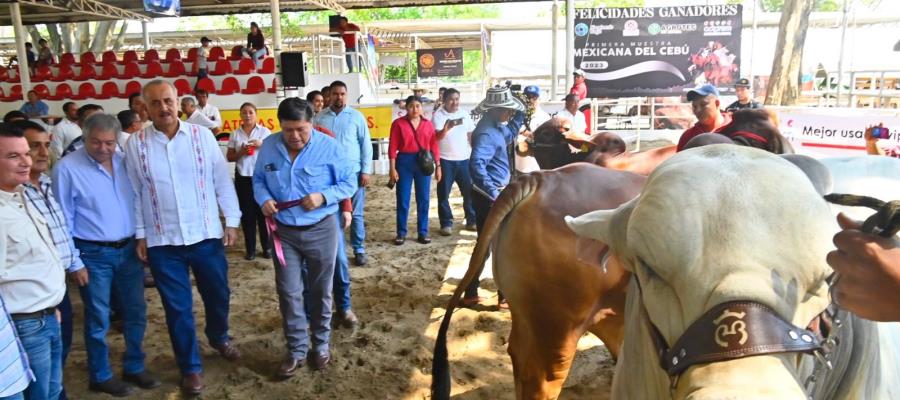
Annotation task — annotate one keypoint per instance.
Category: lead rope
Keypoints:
(885, 223)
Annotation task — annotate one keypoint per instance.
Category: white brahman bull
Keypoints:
(722, 223)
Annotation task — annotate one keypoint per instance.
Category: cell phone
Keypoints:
(390, 184)
(455, 122)
(880, 133)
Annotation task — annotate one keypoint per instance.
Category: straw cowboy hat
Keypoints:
(499, 97)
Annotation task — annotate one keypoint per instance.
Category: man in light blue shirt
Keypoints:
(97, 198)
(308, 169)
(35, 107)
(352, 134)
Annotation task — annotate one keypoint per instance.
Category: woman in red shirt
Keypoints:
(409, 134)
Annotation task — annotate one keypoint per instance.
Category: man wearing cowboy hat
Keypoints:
(489, 163)
(744, 95)
(579, 88)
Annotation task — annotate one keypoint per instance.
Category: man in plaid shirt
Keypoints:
(39, 195)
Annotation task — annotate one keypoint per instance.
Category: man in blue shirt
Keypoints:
(490, 160)
(352, 133)
(307, 170)
(96, 196)
(35, 107)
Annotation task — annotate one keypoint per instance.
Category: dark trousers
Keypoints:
(410, 173)
(171, 267)
(252, 218)
(482, 206)
(458, 172)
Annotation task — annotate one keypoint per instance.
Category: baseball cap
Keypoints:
(531, 90)
(578, 72)
(743, 82)
(702, 91)
(205, 39)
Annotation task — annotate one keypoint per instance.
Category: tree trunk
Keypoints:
(83, 31)
(101, 37)
(784, 85)
(66, 37)
(55, 40)
(35, 36)
(120, 38)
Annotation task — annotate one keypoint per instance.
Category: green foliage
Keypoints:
(471, 69)
(821, 5)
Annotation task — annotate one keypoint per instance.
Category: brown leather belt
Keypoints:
(116, 245)
(34, 315)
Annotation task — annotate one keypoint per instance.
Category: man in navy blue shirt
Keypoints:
(300, 176)
(490, 160)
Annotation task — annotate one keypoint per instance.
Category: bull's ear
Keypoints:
(593, 225)
(817, 172)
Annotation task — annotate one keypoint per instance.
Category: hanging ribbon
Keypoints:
(272, 227)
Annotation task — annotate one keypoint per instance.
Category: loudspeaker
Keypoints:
(293, 69)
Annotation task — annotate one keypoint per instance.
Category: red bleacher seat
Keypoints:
(42, 90)
(176, 69)
(132, 87)
(255, 85)
(41, 73)
(207, 84)
(63, 91)
(132, 70)
(229, 86)
(236, 53)
(215, 54)
(88, 58)
(85, 91)
(130, 57)
(154, 70)
(151, 55)
(268, 66)
(4, 74)
(14, 76)
(15, 94)
(192, 54)
(172, 55)
(87, 72)
(273, 88)
(109, 71)
(183, 87)
(109, 57)
(245, 66)
(67, 58)
(109, 90)
(65, 73)
(223, 67)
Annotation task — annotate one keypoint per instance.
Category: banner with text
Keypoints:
(822, 133)
(440, 62)
(657, 51)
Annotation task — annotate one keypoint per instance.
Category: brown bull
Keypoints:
(554, 296)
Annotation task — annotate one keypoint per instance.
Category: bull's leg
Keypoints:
(542, 353)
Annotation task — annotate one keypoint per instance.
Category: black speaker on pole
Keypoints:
(293, 69)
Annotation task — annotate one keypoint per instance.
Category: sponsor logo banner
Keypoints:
(440, 62)
(657, 51)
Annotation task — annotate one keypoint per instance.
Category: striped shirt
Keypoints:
(15, 374)
(42, 199)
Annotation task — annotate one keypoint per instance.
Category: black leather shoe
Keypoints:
(424, 239)
(267, 254)
(143, 380)
(319, 361)
(113, 387)
(250, 256)
(360, 259)
(289, 366)
(399, 240)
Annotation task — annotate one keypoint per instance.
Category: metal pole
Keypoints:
(570, 41)
(146, 35)
(24, 74)
(753, 42)
(554, 70)
(840, 82)
(276, 41)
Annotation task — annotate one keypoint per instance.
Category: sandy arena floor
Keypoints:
(399, 297)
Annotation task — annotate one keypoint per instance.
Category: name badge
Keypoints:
(270, 167)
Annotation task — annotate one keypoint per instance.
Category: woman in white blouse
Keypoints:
(242, 147)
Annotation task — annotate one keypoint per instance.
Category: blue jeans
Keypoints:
(358, 225)
(256, 56)
(42, 342)
(455, 171)
(171, 267)
(410, 173)
(17, 396)
(118, 270)
(350, 55)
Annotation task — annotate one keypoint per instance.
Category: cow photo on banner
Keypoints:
(657, 51)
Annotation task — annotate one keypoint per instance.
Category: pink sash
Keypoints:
(272, 227)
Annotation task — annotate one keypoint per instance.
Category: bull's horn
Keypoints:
(593, 225)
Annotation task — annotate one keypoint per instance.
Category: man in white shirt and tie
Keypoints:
(209, 110)
(32, 277)
(66, 131)
(182, 182)
(193, 115)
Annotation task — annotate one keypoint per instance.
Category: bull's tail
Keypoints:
(509, 199)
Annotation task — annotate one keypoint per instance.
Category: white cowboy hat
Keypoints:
(499, 97)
